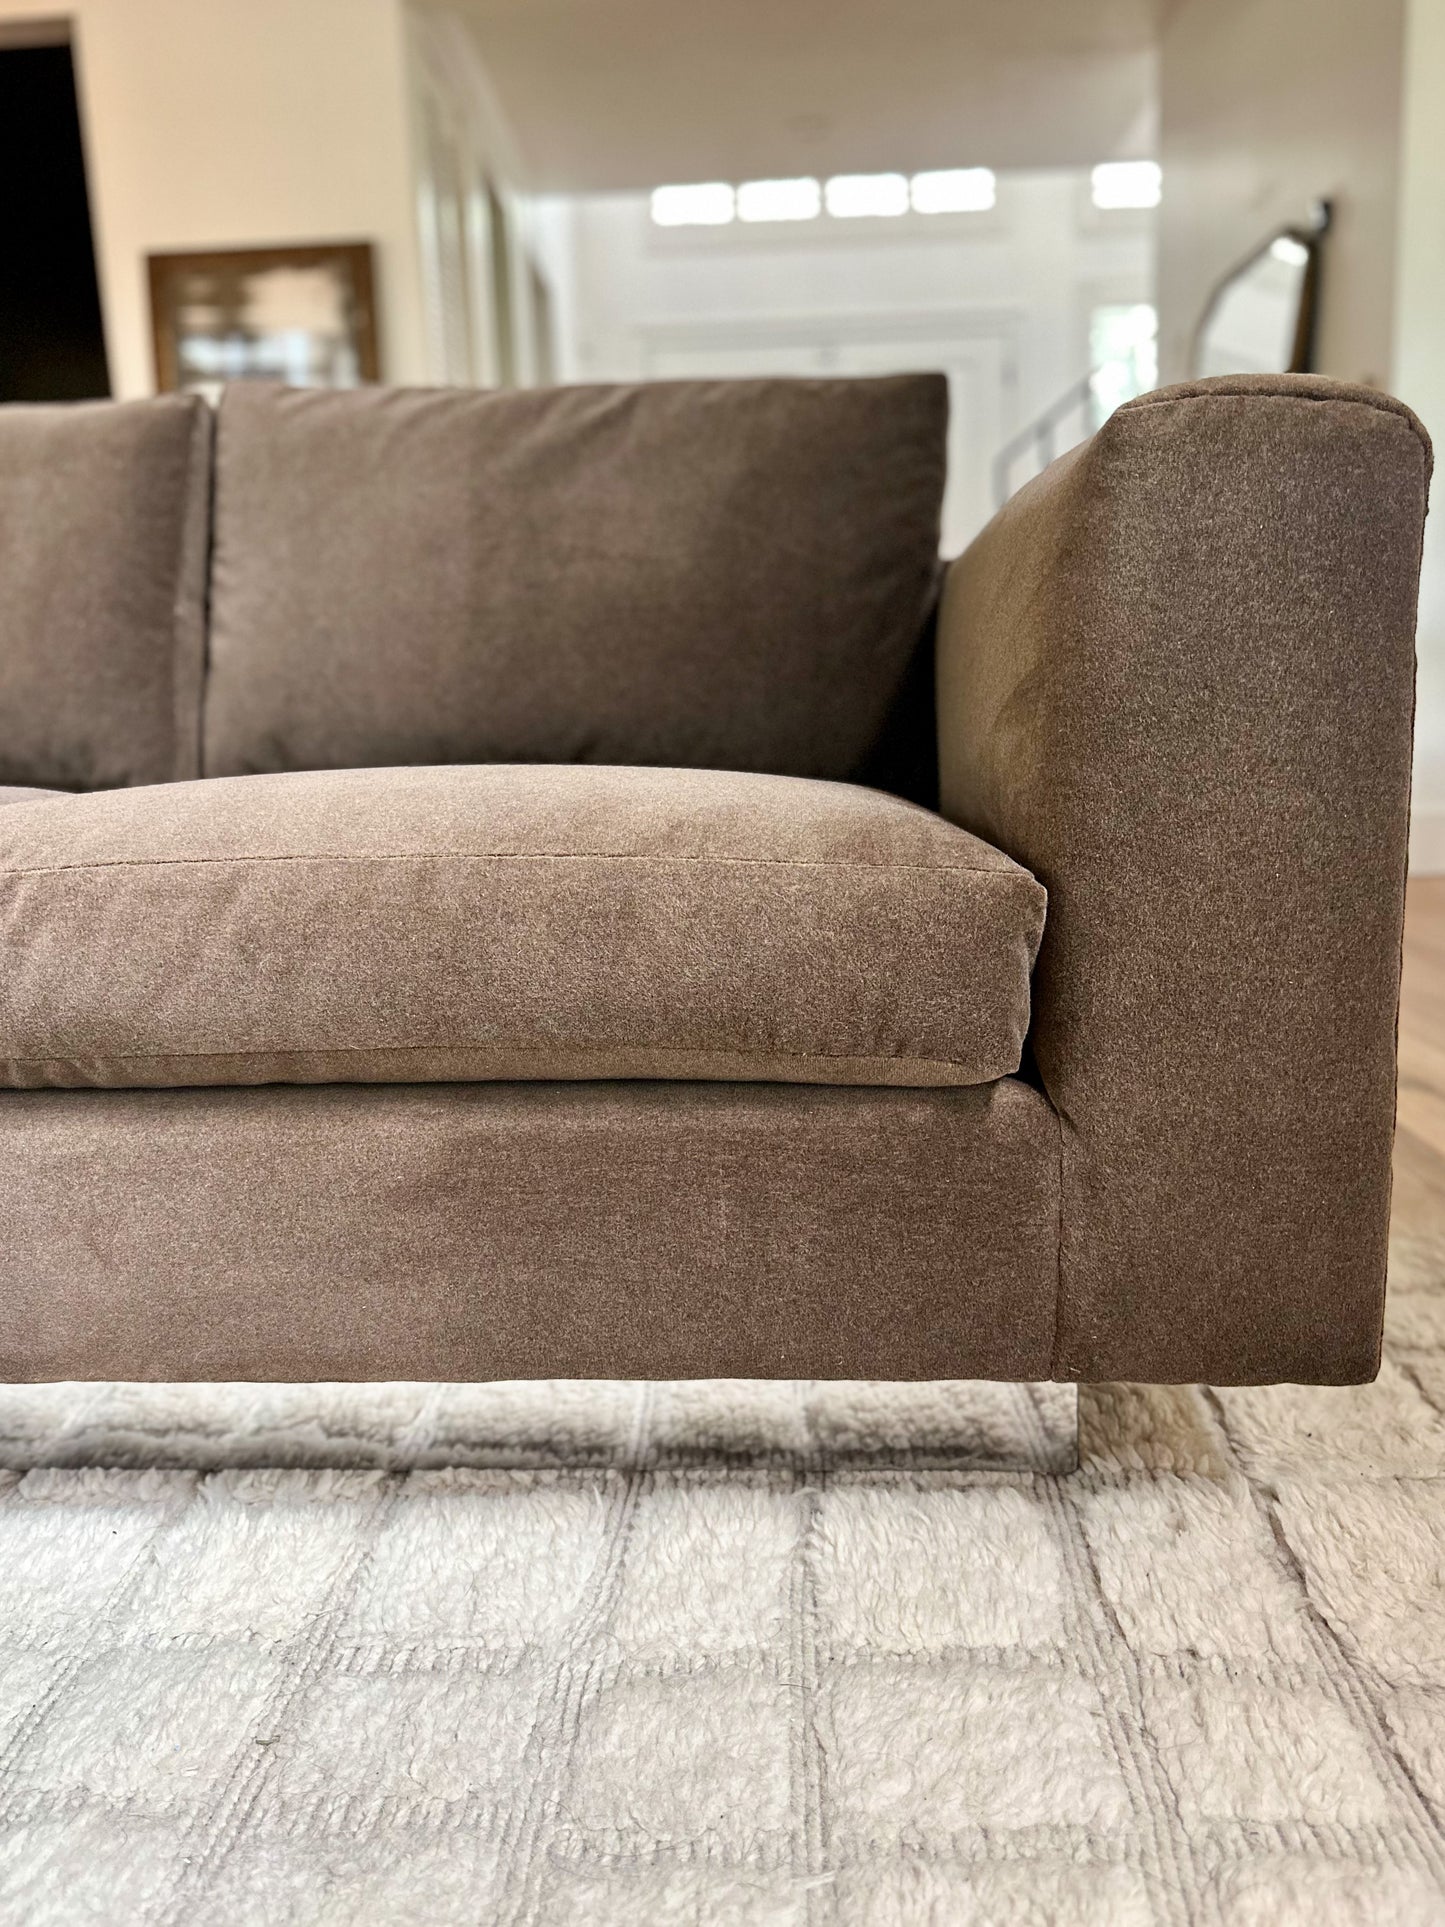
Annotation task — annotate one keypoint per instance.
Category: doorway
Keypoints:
(52, 344)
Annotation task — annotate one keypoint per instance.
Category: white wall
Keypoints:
(1418, 376)
(1265, 107)
(1002, 299)
(483, 327)
(220, 123)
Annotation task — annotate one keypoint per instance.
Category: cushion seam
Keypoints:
(188, 625)
(516, 1050)
(518, 856)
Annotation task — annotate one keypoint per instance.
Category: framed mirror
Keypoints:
(1261, 318)
(305, 315)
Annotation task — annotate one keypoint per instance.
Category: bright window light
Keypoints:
(850, 195)
(1124, 350)
(707, 204)
(779, 200)
(1293, 253)
(1126, 184)
(954, 190)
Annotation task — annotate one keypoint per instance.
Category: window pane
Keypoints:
(706, 204)
(849, 195)
(1126, 184)
(779, 200)
(954, 190)
(1124, 355)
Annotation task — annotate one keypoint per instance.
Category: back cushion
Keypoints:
(103, 524)
(711, 574)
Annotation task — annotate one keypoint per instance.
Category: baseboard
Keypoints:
(1427, 842)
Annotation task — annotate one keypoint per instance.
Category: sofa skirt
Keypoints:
(488, 1231)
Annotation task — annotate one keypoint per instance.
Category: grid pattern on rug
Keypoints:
(742, 1654)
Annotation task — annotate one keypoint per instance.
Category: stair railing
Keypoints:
(1041, 437)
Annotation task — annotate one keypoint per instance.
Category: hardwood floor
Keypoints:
(1420, 1125)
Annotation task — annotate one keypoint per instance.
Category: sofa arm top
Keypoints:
(1316, 388)
(1176, 681)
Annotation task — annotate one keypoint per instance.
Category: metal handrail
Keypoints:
(1041, 436)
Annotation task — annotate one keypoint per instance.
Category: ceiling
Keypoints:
(623, 94)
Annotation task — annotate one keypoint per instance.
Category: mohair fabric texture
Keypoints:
(104, 512)
(728, 575)
(1176, 681)
(473, 1231)
(505, 921)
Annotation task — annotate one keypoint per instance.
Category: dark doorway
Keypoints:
(52, 347)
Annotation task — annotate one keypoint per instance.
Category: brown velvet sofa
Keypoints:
(519, 907)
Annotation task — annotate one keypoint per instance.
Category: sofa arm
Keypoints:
(1176, 681)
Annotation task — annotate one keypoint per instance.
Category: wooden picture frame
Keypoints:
(304, 315)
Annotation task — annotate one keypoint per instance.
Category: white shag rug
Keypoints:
(727, 1655)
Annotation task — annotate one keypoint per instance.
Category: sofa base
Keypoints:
(488, 1231)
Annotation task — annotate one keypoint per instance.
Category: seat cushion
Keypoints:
(536, 921)
(724, 574)
(104, 512)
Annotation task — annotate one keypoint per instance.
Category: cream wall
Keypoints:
(239, 122)
(1265, 107)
